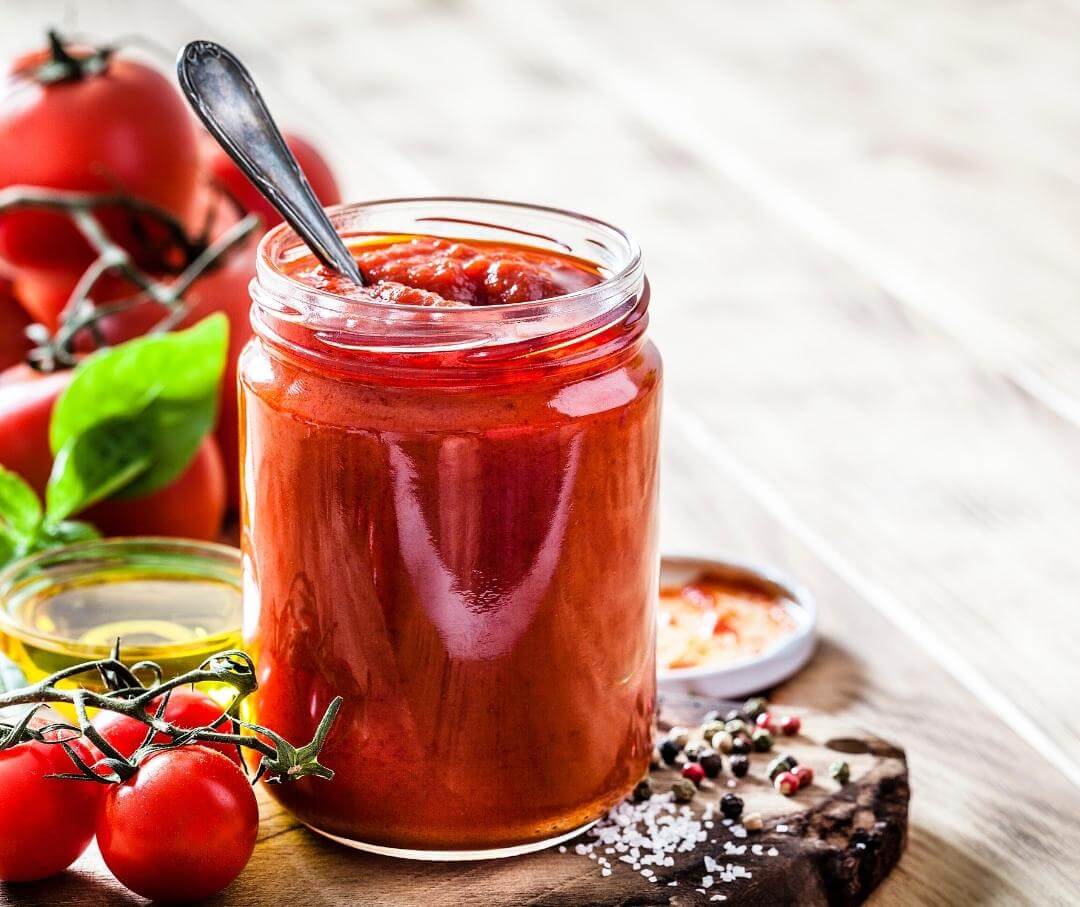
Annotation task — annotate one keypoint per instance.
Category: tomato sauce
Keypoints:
(460, 540)
(719, 620)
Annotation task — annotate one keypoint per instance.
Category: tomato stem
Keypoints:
(280, 760)
(81, 313)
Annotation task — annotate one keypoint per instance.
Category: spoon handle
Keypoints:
(222, 93)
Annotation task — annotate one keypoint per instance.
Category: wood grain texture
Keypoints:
(860, 223)
(833, 844)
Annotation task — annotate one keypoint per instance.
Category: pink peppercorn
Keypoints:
(693, 771)
(805, 774)
(764, 721)
(791, 725)
(786, 783)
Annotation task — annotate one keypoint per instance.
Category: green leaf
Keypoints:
(134, 415)
(67, 532)
(93, 466)
(20, 509)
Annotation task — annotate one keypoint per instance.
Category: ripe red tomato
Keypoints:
(187, 709)
(181, 828)
(14, 344)
(45, 823)
(314, 165)
(192, 507)
(124, 129)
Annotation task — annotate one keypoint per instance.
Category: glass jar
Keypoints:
(449, 519)
(170, 601)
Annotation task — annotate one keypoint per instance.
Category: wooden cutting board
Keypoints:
(830, 844)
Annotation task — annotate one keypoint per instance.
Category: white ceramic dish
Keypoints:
(749, 675)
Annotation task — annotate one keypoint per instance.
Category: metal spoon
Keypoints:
(222, 93)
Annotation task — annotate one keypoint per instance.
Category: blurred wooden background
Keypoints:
(862, 227)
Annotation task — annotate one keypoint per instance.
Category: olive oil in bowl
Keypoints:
(172, 602)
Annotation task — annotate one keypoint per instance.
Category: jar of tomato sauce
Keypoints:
(449, 519)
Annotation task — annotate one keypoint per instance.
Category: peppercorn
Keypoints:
(722, 741)
(669, 751)
(755, 706)
(762, 740)
(840, 771)
(786, 783)
(711, 761)
(680, 735)
(791, 725)
(805, 774)
(765, 721)
(713, 715)
(693, 772)
(643, 790)
(741, 745)
(693, 751)
(736, 726)
(731, 806)
(733, 715)
(740, 765)
(683, 790)
(784, 763)
(753, 822)
(711, 728)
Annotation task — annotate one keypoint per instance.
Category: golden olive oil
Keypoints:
(176, 621)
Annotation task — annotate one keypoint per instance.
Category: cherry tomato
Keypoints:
(314, 165)
(181, 828)
(14, 344)
(45, 823)
(192, 507)
(122, 129)
(187, 708)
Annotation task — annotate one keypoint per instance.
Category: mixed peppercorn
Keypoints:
(735, 733)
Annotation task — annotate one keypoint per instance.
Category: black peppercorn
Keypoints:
(643, 790)
(740, 765)
(762, 740)
(712, 762)
(731, 806)
(741, 745)
(669, 751)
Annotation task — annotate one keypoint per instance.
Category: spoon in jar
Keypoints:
(223, 95)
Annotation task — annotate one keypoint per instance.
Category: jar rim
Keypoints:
(281, 239)
(152, 555)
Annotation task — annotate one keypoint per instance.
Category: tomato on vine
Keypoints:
(90, 120)
(182, 827)
(45, 823)
(186, 708)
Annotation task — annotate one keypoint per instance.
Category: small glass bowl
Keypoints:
(171, 601)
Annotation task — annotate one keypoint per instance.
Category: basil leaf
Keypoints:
(94, 465)
(20, 509)
(151, 399)
(67, 532)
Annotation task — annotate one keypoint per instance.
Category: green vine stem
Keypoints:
(81, 313)
(126, 695)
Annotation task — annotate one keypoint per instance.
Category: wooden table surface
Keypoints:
(862, 227)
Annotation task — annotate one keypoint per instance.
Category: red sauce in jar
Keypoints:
(462, 546)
